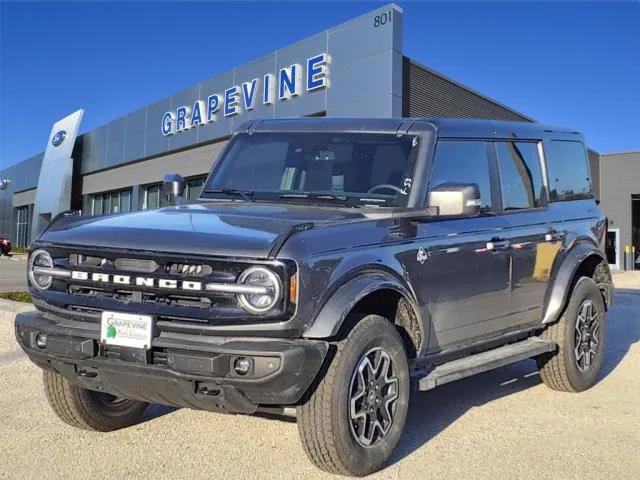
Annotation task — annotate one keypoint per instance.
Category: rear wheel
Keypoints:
(87, 409)
(580, 335)
(355, 417)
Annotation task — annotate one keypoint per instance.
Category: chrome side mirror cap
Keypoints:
(456, 199)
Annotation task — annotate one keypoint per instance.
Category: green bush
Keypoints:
(17, 296)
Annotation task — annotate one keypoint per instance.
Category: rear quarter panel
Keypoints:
(585, 228)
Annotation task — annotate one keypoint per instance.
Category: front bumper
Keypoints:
(180, 370)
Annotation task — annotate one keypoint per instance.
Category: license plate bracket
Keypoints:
(126, 330)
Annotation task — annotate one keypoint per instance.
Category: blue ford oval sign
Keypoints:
(4, 183)
(58, 138)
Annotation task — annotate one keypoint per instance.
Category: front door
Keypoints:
(466, 280)
(464, 273)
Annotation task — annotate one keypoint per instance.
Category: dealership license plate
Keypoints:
(126, 330)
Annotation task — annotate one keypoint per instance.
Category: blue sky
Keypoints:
(572, 64)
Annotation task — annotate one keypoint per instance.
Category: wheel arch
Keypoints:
(582, 260)
(370, 293)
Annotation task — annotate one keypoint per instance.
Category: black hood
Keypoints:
(222, 229)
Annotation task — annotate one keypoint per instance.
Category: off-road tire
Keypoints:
(83, 408)
(324, 420)
(558, 370)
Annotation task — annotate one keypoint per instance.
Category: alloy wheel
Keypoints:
(373, 396)
(586, 335)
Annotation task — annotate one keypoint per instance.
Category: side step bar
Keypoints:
(482, 362)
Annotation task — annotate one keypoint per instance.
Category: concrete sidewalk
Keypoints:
(13, 273)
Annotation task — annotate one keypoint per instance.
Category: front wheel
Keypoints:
(87, 409)
(353, 420)
(580, 335)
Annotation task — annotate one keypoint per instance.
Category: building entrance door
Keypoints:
(612, 247)
(23, 225)
(635, 230)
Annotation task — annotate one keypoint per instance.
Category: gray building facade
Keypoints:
(355, 69)
(620, 200)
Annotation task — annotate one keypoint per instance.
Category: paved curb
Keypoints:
(16, 257)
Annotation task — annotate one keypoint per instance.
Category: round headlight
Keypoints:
(271, 292)
(40, 259)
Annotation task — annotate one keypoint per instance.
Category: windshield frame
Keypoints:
(322, 197)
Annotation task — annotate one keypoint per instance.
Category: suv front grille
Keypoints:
(139, 296)
(189, 269)
(136, 265)
(165, 286)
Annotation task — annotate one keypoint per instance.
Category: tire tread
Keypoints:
(553, 365)
(67, 402)
(318, 433)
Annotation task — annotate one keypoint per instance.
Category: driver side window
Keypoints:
(459, 161)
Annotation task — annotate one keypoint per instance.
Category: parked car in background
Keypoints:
(5, 247)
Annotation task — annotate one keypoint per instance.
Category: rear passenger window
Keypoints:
(520, 175)
(463, 162)
(568, 169)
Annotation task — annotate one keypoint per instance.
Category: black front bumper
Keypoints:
(180, 370)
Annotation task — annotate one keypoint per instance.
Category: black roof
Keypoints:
(446, 127)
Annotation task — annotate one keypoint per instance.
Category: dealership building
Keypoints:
(355, 69)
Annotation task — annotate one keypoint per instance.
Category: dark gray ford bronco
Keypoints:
(329, 265)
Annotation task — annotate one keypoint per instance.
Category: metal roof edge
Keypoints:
(627, 152)
(471, 90)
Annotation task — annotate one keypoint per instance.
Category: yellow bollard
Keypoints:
(627, 249)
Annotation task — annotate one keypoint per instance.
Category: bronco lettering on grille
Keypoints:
(164, 283)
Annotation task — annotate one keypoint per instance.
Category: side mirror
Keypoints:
(460, 199)
(173, 186)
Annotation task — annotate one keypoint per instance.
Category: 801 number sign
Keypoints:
(382, 19)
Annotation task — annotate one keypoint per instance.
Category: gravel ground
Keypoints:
(502, 424)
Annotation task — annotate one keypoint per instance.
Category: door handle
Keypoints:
(554, 235)
(498, 244)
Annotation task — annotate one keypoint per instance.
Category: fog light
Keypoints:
(242, 365)
(41, 340)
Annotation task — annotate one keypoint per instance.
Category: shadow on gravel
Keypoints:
(623, 328)
(432, 412)
(155, 411)
(279, 417)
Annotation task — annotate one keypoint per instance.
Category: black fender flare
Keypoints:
(559, 290)
(333, 313)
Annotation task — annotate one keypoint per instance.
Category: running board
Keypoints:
(482, 362)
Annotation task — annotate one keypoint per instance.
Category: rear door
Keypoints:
(529, 230)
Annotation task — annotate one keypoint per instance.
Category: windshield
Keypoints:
(355, 168)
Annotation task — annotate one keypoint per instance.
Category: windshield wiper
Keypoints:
(314, 195)
(247, 195)
(319, 196)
